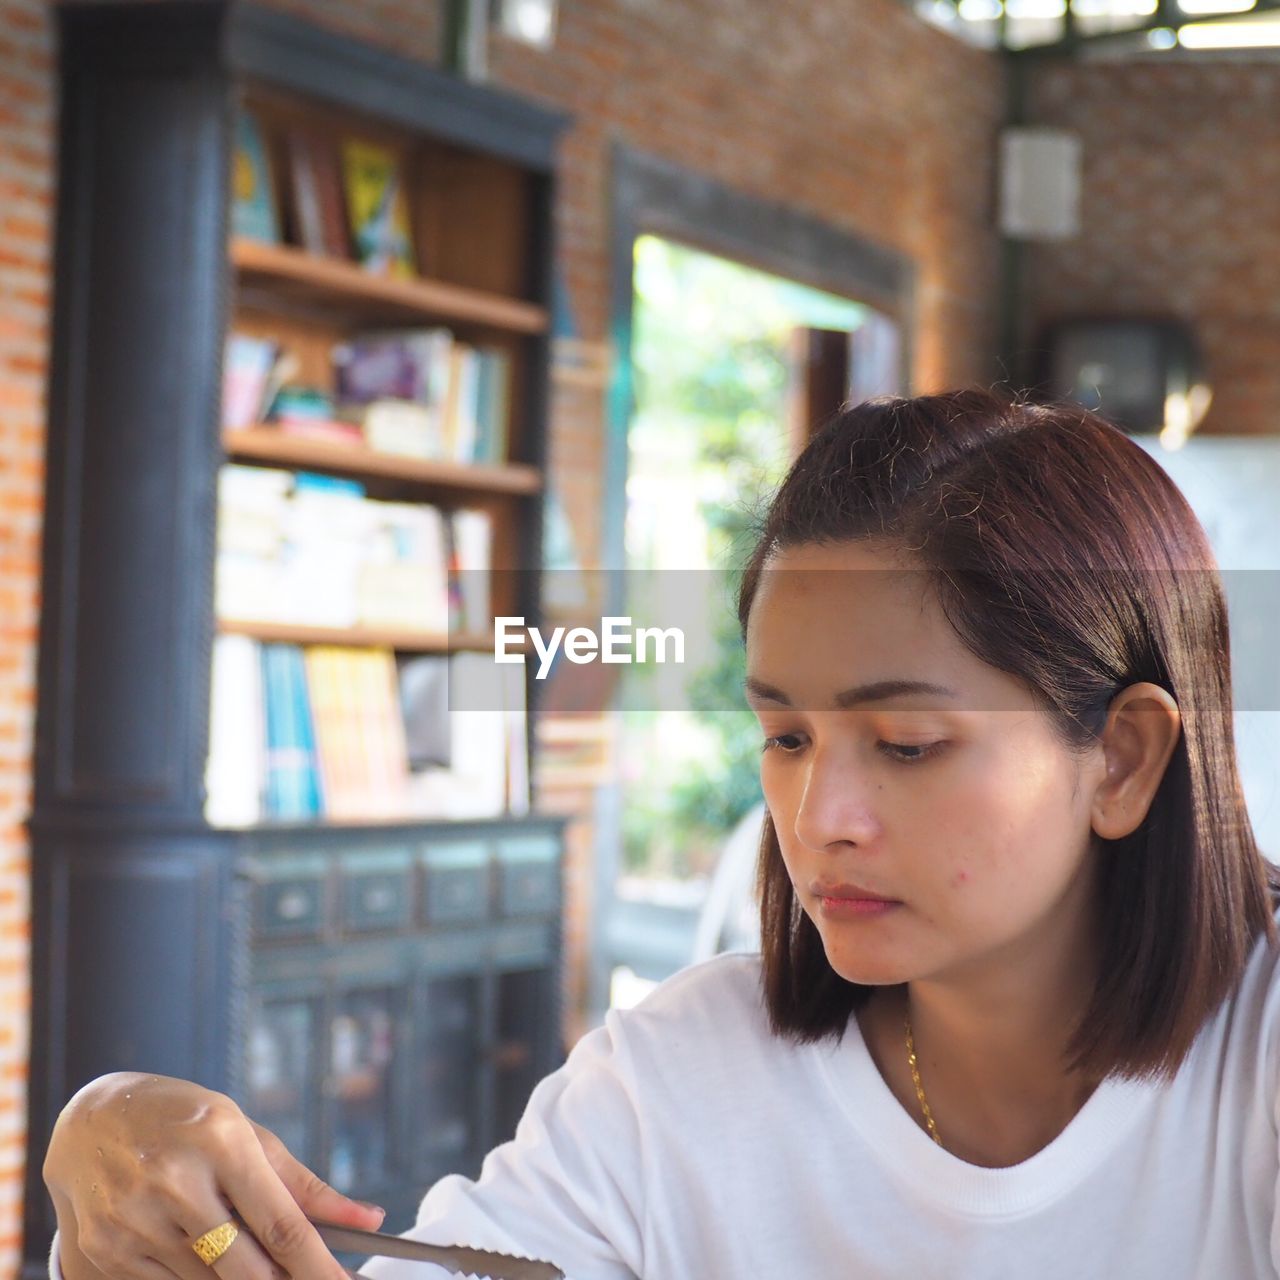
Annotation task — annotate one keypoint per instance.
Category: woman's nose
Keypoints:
(836, 803)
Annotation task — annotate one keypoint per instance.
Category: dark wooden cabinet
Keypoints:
(404, 972)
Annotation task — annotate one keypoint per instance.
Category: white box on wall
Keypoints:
(1040, 183)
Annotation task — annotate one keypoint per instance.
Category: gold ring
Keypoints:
(213, 1244)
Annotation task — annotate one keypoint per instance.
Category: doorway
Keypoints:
(728, 312)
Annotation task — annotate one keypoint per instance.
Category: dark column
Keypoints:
(132, 941)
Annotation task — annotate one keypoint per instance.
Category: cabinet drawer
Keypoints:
(528, 875)
(289, 897)
(455, 881)
(377, 891)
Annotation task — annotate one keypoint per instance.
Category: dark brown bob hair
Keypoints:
(1063, 555)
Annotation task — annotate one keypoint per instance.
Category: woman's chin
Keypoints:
(867, 970)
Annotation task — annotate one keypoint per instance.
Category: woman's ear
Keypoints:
(1142, 729)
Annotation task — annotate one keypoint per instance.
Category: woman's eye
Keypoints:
(908, 753)
(903, 753)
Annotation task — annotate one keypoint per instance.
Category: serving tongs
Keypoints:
(456, 1258)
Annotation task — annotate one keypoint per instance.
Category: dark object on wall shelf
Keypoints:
(350, 983)
(1142, 374)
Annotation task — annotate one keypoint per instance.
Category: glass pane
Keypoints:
(278, 1071)
(1097, 17)
(522, 1024)
(361, 1054)
(445, 1122)
(1036, 27)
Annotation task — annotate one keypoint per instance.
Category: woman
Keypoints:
(1017, 1003)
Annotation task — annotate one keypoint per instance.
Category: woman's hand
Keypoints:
(140, 1166)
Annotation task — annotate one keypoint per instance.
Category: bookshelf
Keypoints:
(383, 990)
(430, 479)
(343, 288)
(357, 637)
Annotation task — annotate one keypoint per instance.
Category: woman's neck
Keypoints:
(991, 1045)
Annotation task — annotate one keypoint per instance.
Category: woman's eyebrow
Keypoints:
(876, 691)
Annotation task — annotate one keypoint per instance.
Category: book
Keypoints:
(424, 709)
(309, 781)
(292, 789)
(235, 764)
(382, 736)
(333, 430)
(478, 736)
(328, 530)
(493, 399)
(462, 431)
(252, 533)
(337, 745)
(402, 427)
(359, 732)
(253, 201)
(471, 543)
(318, 202)
(377, 208)
(309, 411)
(475, 782)
(403, 576)
(246, 378)
(407, 364)
(294, 400)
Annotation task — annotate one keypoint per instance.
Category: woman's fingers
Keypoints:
(276, 1218)
(141, 1166)
(314, 1196)
(243, 1259)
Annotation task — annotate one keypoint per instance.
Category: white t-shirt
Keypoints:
(683, 1141)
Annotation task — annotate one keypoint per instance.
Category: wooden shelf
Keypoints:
(357, 637)
(266, 444)
(330, 283)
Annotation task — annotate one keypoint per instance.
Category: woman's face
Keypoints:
(928, 833)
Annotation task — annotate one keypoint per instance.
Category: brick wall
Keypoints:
(26, 148)
(1180, 213)
(856, 113)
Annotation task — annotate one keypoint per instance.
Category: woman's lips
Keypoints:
(847, 901)
(856, 908)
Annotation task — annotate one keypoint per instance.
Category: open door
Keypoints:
(834, 367)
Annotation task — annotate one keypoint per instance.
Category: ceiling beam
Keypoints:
(1167, 16)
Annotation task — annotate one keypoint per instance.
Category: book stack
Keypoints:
(418, 393)
(424, 393)
(312, 550)
(361, 753)
(325, 732)
(343, 198)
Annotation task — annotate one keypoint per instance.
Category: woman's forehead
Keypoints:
(822, 636)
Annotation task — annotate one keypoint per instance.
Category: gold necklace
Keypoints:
(915, 1079)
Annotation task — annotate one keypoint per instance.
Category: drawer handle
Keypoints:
(293, 904)
(378, 898)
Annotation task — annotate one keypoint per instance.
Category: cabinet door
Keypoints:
(445, 1130)
(364, 1154)
(524, 1022)
(280, 1068)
